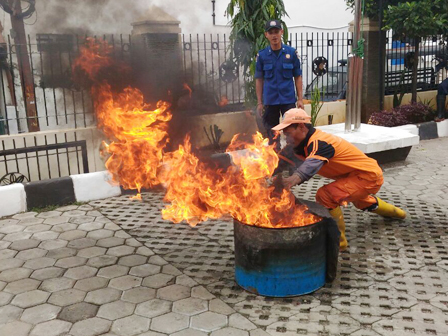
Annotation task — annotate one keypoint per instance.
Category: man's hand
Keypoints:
(300, 104)
(289, 182)
(260, 109)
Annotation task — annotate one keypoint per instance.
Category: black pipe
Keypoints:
(214, 15)
(381, 46)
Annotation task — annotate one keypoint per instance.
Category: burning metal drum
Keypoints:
(282, 262)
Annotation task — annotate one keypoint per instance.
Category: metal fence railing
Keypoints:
(203, 66)
(399, 58)
(39, 158)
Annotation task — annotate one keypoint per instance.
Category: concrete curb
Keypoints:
(428, 130)
(19, 197)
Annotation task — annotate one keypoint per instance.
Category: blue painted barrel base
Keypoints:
(280, 262)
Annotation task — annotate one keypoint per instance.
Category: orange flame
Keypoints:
(188, 88)
(196, 192)
(138, 134)
(223, 102)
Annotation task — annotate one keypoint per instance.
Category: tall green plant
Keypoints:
(316, 104)
(248, 19)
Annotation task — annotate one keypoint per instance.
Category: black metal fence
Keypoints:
(41, 157)
(207, 68)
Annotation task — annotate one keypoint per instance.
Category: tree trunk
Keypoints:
(414, 70)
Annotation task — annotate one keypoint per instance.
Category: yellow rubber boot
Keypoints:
(388, 210)
(338, 216)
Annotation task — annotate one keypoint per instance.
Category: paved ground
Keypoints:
(114, 267)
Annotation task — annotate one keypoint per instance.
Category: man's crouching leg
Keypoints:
(324, 198)
(385, 209)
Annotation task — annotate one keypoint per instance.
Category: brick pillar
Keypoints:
(372, 79)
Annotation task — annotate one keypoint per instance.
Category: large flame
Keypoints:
(196, 192)
(138, 134)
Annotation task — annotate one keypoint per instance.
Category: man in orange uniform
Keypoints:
(357, 177)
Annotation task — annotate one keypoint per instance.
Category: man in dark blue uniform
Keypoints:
(442, 92)
(278, 79)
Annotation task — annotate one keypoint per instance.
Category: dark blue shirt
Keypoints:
(278, 74)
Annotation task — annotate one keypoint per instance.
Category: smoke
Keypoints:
(91, 17)
(97, 17)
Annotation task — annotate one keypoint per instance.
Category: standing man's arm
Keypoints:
(259, 90)
(259, 82)
(298, 80)
(299, 89)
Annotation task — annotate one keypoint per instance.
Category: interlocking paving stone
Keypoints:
(56, 220)
(81, 219)
(90, 284)
(145, 270)
(91, 252)
(47, 273)
(5, 298)
(80, 272)
(133, 260)
(39, 263)
(114, 271)
(67, 297)
(57, 284)
(90, 327)
(119, 251)
(173, 293)
(170, 323)
(190, 306)
(153, 308)
(6, 264)
(90, 226)
(102, 261)
(71, 262)
(103, 295)
(208, 321)
(82, 243)
(240, 322)
(15, 328)
(61, 252)
(78, 312)
(230, 332)
(51, 328)
(17, 236)
(37, 228)
(40, 313)
(9, 313)
(14, 274)
(24, 244)
(72, 235)
(21, 286)
(99, 234)
(131, 325)
(31, 254)
(158, 280)
(189, 332)
(54, 245)
(125, 282)
(116, 310)
(139, 294)
(45, 235)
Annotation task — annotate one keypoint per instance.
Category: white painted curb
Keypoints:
(12, 199)
(442, 128)
(93, 186)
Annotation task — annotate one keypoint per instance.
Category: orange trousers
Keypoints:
(357, 188)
